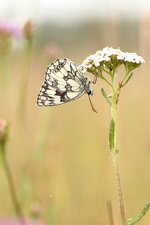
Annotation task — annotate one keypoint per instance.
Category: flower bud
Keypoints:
(29, 30)
(3, 132)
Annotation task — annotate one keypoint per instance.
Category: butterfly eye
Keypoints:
(89, 92)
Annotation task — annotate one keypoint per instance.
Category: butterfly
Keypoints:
(64, 82)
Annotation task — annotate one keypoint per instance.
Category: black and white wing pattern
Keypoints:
(63, 83)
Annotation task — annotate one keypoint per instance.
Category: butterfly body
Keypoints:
(64, 82)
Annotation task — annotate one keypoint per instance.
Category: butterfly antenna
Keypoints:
(92, 106)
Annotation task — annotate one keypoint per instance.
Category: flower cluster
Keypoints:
(110, 55)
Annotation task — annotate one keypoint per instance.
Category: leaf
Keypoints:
(140, 216)
(106, 96)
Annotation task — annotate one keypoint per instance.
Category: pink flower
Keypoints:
(10, 29)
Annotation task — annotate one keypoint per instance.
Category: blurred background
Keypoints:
(57, 156)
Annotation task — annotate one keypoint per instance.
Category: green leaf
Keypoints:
(111, 134)
(106, 96)
(140, 216)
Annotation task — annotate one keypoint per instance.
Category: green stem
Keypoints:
(3, 71)
(25, 79)
(119, 189)
(113, 149)
(127, 73)
(110, 214)
(99, 74)
(125, 79)
(106, 80)
(11, 185)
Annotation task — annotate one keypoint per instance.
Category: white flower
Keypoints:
(133, 57)
(110, 54)
(121, 56)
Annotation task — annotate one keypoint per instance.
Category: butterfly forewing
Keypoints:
(64, 82)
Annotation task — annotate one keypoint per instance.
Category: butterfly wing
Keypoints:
(63, 83)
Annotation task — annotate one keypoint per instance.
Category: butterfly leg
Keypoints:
(92, 106)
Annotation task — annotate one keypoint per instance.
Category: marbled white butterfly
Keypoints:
(64, 82)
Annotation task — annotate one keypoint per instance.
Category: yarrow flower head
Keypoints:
(104, 64)
(109, 59)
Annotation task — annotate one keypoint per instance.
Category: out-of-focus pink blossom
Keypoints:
(11, 29)
(52, 51)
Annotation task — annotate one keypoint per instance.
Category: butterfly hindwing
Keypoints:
(63, 83)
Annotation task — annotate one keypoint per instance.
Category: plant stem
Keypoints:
(119, 189)
(12, 190)
(113, 149)
(24, 82)
(110, 213)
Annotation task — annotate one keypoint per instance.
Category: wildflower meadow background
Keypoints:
(54, 161)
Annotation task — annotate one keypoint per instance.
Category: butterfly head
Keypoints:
(89, 91)
(87, 87)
